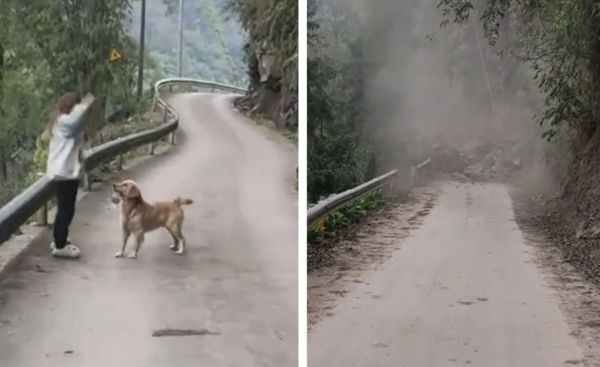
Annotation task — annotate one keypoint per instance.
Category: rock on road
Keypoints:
(462, 290)
(238, 278)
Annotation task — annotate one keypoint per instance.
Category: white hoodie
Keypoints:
(66, 145)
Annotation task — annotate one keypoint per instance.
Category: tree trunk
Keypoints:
(1, 80)
(3, 165)
(3, 170)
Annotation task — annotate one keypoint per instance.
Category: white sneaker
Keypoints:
(53, 245)
(68, 252)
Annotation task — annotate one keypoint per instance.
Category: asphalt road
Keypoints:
(237, 280)
(462, 290)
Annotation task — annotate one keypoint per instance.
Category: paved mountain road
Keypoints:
(238, 277)
(462, 290)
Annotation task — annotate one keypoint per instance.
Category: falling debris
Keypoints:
(182, 332)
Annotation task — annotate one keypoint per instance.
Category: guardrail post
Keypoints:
(86, 182)
(42, 214)
(172, 138)
(388, 189)
(151, 149)
(120, 162)
(165, 114)
(414, 172)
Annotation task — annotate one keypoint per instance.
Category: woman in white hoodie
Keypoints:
(65, 166)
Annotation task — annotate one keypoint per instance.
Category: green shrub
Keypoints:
(346, 216)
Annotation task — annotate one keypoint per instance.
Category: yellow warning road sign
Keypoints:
(114, 55)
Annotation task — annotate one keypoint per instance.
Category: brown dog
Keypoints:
(139, 217)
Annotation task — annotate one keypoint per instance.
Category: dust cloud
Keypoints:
(445, 94)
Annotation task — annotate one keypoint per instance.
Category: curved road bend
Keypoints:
(461, 291)
(238, 277)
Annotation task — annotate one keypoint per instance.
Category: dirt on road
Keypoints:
(554, 250)
(357, 250)
(470, 285)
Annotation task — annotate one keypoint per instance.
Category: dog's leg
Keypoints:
(139, 238)
(125, 235)
(181, 248)
(175, 244)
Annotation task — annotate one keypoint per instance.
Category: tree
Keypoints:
(340, 154)
(74, 40)
(49, 48)
(561, 41)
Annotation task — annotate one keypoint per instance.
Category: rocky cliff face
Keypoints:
(267, 95)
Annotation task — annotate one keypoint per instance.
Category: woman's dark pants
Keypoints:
(66, 196)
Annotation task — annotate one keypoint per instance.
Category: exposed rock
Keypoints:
(477, 160)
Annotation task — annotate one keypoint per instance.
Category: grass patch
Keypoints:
(329, 226)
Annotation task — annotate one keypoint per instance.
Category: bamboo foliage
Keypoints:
(561, 41)
(48, 48)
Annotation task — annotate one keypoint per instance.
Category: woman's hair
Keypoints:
(64, 106)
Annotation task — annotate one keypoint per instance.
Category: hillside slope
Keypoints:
(213, 43)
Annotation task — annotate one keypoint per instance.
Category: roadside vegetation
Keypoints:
(329, 226)
(327, 232)
(47, 48)
(340, 152)
(271, 55)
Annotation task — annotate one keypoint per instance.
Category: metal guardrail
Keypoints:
(212, 86)
(414, 170)
(35, 198)
(337, 201)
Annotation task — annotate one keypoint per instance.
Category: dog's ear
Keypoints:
(133, 192)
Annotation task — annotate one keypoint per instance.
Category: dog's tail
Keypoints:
(183, 201)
